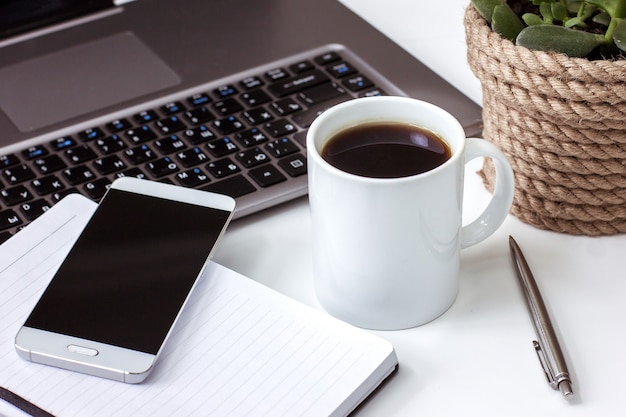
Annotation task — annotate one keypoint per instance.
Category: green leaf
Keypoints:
(619, 34)
(531, 19)
(573, 6)
(505, 22)
(546, 12)
(574, 43)
(559, 11)
(485, 7)
(575, 21)
(610, 6)
(602, 19)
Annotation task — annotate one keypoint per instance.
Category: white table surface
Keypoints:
(477, 359)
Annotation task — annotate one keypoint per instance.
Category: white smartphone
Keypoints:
(111, 305)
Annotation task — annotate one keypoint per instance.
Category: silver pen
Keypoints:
(547, 347)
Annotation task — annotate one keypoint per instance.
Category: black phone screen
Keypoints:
(130, 272)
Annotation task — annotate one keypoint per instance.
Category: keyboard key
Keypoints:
(109, 164)
(258, 116)
(198, 135)
(34, 209)
(282, 147)
(133, 172)
(327, 58)
(294, 165)
(172, 108)
(170, 144)
(80, 154)
(373, 93)
(302, 66)
(34, 152)
(300, 82)
(286, 106)
(170, 125)
(193, 177)
(226, 107)
(225, 91)
(251, 82)
(358, 83)
(139, 154)
(9, 218)
(267, 175)
(63, 143)
(78, 174)
(222, 168)
(117, 125)
(323, 93)
(17, 174)
(91, 134)
(199, 115)
(276, 74)
(305, 118)
(251, 137)
(96, 189)
(199, 99)
(255, 98)
(110, 144)
(252, 157)
(341, 69)
(228, 125)
(62, 194)
(162, 167)
(140, 135)
(191, 157)
(47, 185)
(281, 127)
(7, 161)
(222, 147)
(146, 116)
(234, 187)
(15, 195)
(50, 163)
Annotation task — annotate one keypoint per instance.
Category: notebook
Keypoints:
(86, 79)
(239, 349)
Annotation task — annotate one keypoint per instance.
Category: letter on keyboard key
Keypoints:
(8, 219)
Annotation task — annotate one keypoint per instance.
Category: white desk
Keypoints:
(477, 359)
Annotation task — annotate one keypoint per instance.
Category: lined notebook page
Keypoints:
(239, 348)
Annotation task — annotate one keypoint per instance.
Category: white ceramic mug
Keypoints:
(387, 250)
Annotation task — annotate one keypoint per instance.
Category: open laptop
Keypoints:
(217, 84)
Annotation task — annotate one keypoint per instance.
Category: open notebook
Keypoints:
(239, 348)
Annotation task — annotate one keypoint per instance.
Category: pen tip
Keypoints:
(566, 389)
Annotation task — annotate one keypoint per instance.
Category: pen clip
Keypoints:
(545, 364)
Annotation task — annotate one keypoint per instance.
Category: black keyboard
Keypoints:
(243, 136)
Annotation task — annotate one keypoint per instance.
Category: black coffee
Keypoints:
(385, 150)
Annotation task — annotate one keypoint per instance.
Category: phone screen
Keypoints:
(130, 271)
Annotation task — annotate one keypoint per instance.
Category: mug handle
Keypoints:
(496, 211)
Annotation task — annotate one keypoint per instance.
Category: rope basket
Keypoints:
(561, 121)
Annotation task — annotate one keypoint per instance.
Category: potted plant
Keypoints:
(553, 75)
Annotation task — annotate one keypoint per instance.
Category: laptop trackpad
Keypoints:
(75, 81)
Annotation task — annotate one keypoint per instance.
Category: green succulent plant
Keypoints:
(590, 28)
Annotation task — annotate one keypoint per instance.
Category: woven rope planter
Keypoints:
(562, 123)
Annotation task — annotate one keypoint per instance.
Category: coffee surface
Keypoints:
(385, 150)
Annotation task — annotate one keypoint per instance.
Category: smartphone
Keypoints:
(114, 300)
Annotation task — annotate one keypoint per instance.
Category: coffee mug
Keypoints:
(386, 246)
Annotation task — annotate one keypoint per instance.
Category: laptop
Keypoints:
(212, 94)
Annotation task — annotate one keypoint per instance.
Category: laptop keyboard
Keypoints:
(243, 136)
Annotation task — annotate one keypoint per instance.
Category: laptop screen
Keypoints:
(18, 16)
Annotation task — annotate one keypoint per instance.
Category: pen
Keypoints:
(547, 347)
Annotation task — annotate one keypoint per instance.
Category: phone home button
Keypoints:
(82, 350)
